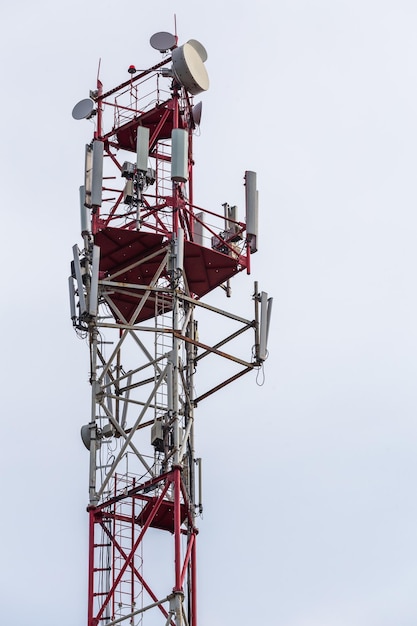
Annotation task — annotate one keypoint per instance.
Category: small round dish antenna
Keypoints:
(86, 435)
(189, 69)
(196, 113)
(163, 41)
(83, 109)
(199, 48)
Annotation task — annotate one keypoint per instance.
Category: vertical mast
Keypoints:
(148, 259)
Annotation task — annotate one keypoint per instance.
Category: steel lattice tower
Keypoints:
(148, 256)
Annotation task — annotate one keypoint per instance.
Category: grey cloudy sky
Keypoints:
(310, 479)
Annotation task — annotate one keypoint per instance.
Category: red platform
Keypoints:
(159, 120)
(164, 517)
(205, 269)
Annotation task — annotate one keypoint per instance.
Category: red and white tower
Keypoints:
(147, 258)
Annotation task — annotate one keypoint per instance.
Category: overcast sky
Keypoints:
(310, 511)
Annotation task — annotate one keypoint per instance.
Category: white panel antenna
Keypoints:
(142, 149)
(72, 298)
(93, 303)
(88, 175)
(107, 381)
(84, 214)
(126, 402)
(169, 379)
(97, 180)
(94, 174)
(79, 279)
(199, 228)
(230, 213)
(128, 192)
(266, 309)
(179, 155)
(180, 249)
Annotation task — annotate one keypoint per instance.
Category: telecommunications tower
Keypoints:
(148, 256)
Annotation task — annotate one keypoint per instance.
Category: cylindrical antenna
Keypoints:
(251, 198)
(179, 156)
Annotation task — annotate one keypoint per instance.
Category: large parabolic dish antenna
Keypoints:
(189, 68)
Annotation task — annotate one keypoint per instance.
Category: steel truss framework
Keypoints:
(136, 286)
